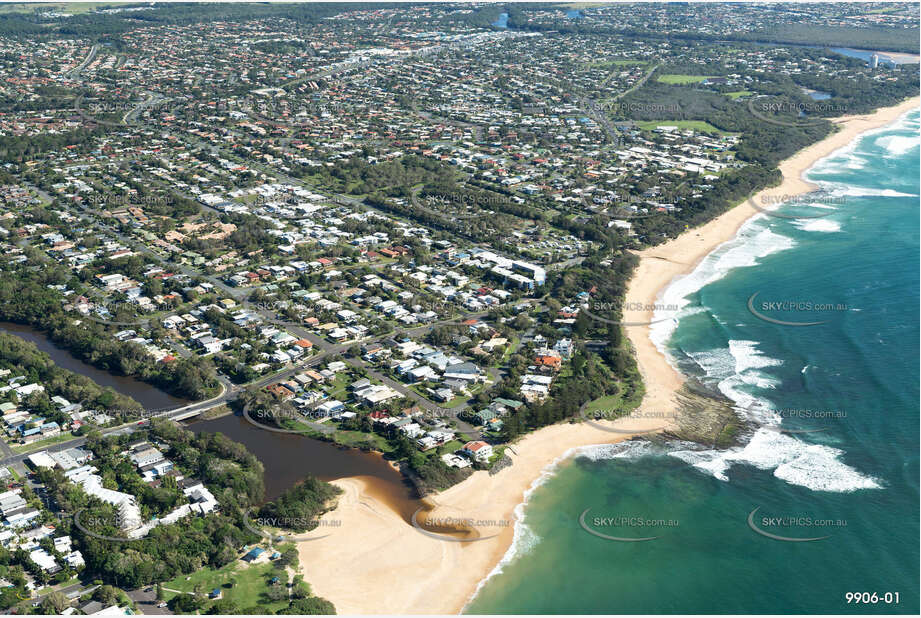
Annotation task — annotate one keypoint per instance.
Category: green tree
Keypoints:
(224, 607)
(313, 606)
(54, 603)
(186, 604)
(107, 595)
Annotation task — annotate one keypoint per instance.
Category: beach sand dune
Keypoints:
(378, 563)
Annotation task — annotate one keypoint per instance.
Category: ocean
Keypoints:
(809, 323)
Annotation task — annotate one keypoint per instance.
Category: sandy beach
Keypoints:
(375, 562)
(659, 266)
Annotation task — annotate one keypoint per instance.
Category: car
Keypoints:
(162, 605)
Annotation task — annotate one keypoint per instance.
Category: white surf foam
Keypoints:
(833, 476)
(825, 206)
(814, 466)
(817, 225)
(906, 122)
(898, 144)
(842, 190)
(631, 449)
(735, 370)
(525, 539)
(740, 367)
(850, 159)
(753, 242)
(747, 356)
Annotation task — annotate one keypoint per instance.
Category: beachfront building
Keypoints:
(478, 451)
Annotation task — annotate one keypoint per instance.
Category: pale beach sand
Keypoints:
(659, 266)
(375, 562)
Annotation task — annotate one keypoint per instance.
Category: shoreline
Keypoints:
(380, 564)
(660, 266)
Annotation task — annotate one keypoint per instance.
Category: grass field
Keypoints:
(737, 94)
(613, 406)
(250, 582)
(682, 79)
(696, 125)
(40, 444)
(357, 439)
(507, 353)
(604, 405)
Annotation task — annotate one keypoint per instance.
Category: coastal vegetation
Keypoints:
(886, 39)
(22, 358)
(27, 297)
(300, 507)
(351, 235)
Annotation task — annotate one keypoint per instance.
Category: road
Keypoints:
(72, 592)
(154, 99)
(344, 67)
(228, 390)
(75, 72)
(5, 449)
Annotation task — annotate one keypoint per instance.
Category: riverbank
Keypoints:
(659, 266)
(146, 394)
(376, 562)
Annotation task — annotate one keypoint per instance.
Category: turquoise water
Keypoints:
(847, 388)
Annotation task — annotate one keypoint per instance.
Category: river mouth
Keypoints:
(288, 458)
